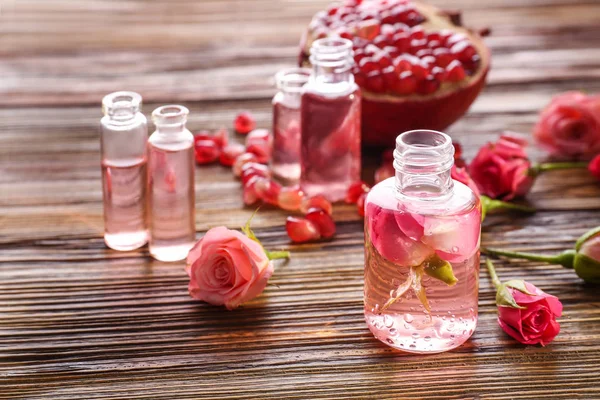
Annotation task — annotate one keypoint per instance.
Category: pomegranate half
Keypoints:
(417, 67)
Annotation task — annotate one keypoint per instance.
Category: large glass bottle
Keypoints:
(285, 162)
(123, 151)
(422, 234)
(171, 185)
(330, 122)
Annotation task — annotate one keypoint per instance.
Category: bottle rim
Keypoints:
(121, 104)
(291, 80)
(171, 114)
(423, 149)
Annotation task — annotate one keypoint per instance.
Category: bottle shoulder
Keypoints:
(331, 90)
(172, 141)
(461, 200)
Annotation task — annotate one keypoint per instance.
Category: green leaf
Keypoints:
(505, 298)
(519, 285)
(246, 228)
(440, 269)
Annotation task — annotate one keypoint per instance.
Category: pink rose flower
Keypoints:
(570, 126)
(536, 322)
(227, 268)
(501, 169)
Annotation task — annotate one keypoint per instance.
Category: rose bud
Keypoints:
(525, 312)
(585, 258)
(501, 169)
(569, 127)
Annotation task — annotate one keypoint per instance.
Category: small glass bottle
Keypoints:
(171, 200)
(422, 234)
(285, 162)
(330, 122)
(123, 151)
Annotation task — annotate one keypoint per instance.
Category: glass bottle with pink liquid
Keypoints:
(330, 122)
(123, 150)
(171, 200)
(285, 162)
(422, 234)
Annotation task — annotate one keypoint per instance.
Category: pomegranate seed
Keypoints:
(455, 71)
(402, 63)
(249, 191)
(390, 77)
(254, 169)
(420, 71)
(434, 36)
(257, 136)
(290, 198)
(359, 43)
(423, 52)
(382, 59)
(262, 151)
(368, 29)
(301, 230)
(428, 61)
(428, 85)
(401, 41)
(442, 57)
(345, 33)
(230, 153)
(221, 138)
(414, 18)
(359, 55)
(360, 204)
(355, 191)
(367, 65)
(455, 38)
(407, 83)
(322, 221)
(400, 27)
(332, 11)
(244, 122)
(241, 160)
(374, 82)
(417, 32)
(391, 51)
(438, 73)
(463, 50)
(318, 201)
(472, 64)
(381, 41)
(417, 44)
(387, 30)
(434, 44)
(202, 135)
(387, 18)
(268, 190)
(371, 49)
(206, 151)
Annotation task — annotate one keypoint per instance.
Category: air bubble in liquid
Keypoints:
(388, 321)
(408, 318)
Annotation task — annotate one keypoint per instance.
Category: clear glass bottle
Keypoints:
(171, 200)
(123, 150)
(285, 162)
(422, 234)
(330, 122)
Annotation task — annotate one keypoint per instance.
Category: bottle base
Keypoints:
(126, 241)
(171, 253)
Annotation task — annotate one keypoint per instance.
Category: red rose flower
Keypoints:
(535, 322)
(570, 126)
(501, 169)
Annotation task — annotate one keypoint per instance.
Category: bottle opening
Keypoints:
(170, 115)
(291, 80)
(121, 105)
(334, 52)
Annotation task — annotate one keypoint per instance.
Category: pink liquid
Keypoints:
(405, 307)
(124, 194)
(330, 144)
(171, 202)
(286, 143)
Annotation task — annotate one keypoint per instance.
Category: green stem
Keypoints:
(489, 204)
(277, 255)
(565, 258)
(543, 167)
(493, 275)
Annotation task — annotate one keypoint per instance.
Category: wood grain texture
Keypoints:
(78, 321)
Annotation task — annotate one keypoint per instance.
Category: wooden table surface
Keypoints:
(79, 321)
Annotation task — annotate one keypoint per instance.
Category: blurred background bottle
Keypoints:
(123, 151)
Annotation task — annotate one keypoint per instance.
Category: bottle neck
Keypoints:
(170, 120)
(290, 82)
(121, 108)
(332, 62)
(423, 161)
